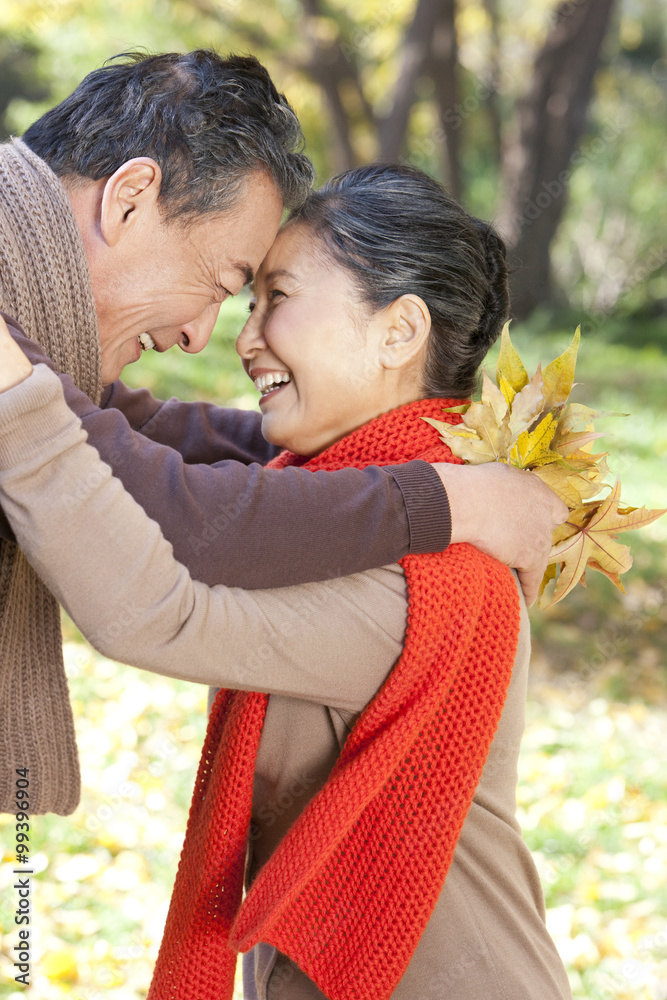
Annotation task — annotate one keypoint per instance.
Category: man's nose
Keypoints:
(196, 335)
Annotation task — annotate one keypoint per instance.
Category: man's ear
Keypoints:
(407, 324)
(129, 196)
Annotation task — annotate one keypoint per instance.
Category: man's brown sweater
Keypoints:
(197, 470)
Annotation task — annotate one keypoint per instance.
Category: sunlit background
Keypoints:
(592, 781)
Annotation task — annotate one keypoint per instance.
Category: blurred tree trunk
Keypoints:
(336, 73)
(442, 67)
(415, 52)
(537, 161)
(492, 104)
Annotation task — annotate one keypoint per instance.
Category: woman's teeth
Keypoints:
(146, 341)
(267, 383)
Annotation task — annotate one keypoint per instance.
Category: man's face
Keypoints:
(169, 281)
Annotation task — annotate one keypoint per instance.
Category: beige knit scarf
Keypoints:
(45, 286)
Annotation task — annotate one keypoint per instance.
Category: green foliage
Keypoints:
(609, 251)
(19, 77)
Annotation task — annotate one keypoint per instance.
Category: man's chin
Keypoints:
(112, 367)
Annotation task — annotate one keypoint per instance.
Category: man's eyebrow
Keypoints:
(245, 270)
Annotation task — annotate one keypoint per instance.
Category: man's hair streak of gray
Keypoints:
(207, 121)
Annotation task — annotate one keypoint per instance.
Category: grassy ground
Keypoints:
(592, 782)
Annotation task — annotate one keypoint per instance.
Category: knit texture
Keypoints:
(45, 286)
(350, 888)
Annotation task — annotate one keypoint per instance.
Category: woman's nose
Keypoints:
(196, 335)
(251, 337)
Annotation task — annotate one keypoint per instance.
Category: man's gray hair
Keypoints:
(206, 120)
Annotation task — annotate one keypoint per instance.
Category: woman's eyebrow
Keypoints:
(279, 273)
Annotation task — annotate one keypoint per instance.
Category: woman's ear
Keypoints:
(406, 326)
(130, 195)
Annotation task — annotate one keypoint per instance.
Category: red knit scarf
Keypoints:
(350, 888)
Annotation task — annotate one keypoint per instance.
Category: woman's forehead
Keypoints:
(292, 251)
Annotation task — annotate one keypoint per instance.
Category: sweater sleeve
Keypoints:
(199, 432)
(243, 525)
(111, 568)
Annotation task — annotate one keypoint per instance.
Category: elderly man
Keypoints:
(127, 215)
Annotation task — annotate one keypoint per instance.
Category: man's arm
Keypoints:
(482, 499)
(243, 525)
(109, 565)
(199, 432)
(257, 528)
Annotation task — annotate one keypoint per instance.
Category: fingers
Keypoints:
(530, 580)
(14, 366)
(560, 511)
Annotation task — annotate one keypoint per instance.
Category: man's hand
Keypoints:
(507, 513)
(14, 366)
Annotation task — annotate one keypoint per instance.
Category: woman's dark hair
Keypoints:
(398, 232)
(207, 121)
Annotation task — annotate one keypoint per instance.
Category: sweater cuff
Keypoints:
(33, 413)
(427, 506)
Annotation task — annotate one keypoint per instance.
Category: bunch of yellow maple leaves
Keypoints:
(528, 423)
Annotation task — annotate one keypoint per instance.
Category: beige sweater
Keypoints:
(322, 650)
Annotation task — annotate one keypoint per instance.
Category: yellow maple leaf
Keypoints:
(465, 442)
(527, 405)
(558, 377)
(510, 368)
(569, 444)
(492, 396)
(533, 448)
(576, 413)
(588, 538)
(571, 486)
(528, 423)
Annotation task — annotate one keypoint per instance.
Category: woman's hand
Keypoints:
(14, 366)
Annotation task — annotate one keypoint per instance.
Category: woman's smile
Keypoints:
(269, 383)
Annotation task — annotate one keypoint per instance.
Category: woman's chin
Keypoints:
(274, 434)
(291, 440)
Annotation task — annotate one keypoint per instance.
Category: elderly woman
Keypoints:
(365, 804)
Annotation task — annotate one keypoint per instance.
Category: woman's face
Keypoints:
(311, 348)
